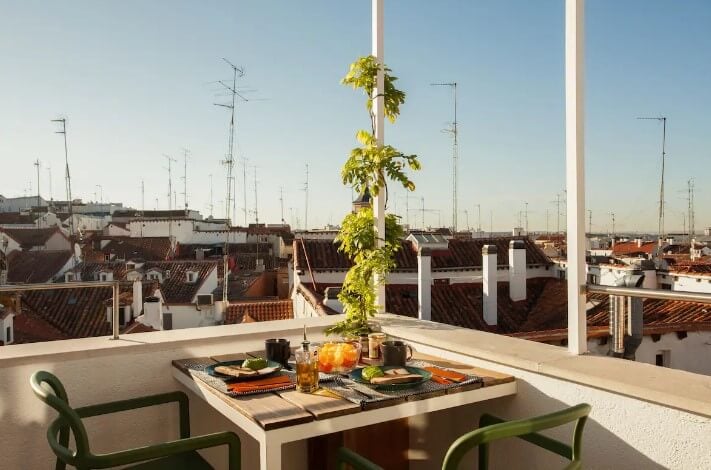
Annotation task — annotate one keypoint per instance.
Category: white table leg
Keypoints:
(269, 455)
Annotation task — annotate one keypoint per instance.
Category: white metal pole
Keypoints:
(575, 173)
(379, 110)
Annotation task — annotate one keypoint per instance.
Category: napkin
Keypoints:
(438, 374)
(262, 385)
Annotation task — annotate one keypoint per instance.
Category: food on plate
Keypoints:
(399, 375)
(235, 371)
(255, 363)
(338, 357)
(372, 371)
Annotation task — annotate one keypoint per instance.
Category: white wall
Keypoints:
(692, 354)
(691, 283)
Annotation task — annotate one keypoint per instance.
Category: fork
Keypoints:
(339, 381)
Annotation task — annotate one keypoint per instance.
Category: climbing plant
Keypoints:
(370, 167)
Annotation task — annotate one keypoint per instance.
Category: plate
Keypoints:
(357, 376)
(211, 370)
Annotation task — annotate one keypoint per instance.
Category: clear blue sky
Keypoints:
(133, 79)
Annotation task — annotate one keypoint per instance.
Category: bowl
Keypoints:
(338, 357)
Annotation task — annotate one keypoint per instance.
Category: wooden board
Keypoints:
(490, 377)
(268, 410)
(321, 407)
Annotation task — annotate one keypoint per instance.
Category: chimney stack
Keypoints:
(517, 270)
(489, 273)
(424, 284)
(639, 242)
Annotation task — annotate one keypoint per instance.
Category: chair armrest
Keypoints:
(143, 402)
(358, 462)
(142, 454)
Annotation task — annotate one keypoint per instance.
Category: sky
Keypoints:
(136, 81)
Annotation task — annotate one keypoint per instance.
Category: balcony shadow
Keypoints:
(432, 434)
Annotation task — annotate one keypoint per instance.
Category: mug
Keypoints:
(395, 353)
(278, 350)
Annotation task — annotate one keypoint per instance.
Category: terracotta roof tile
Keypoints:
(462, 254)
(15, 218)
(31, 237)
(631, 248)
(147, 248)
(247, 312)
(36, 266)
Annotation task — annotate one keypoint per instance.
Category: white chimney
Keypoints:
(424, 284)
(517, 270)
(152, 315)
(639, 242)
(489, 273)
(137, 297)
(330, 299)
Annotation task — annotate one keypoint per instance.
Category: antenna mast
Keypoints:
(170, 180)
(143, 196)
(49, 171)
(557, 205)
(211, 199)
(455, 153)
(186, 152)
(37, 164)
(306, 197)
(663, 119)
(256, 206)
(281, 203)
(66, 174)
(692, 216)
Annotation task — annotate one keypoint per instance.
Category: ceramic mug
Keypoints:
(278, 350)
(395, 353)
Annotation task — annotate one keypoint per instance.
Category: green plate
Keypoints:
(425, 375)
(211, 370)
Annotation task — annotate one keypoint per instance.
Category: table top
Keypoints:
(281, 409)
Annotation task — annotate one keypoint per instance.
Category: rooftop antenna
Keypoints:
(244, 186)
(37, 165)
(229, 162)
(557, 204)
(663, 119)
(67, 176)
(589, 222)
(256, 206)
(101, 193)
(525, 204)
(186, 152)
(612, 216)
(281, 203)
(49, 172)
(692, 215)
(478, 224)
(234, 201)
(143, 196)
(170, 180)
(455, 152)
(212, 206)
(306, 199)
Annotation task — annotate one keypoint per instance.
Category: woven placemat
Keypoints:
(197, 369)
(382, 397)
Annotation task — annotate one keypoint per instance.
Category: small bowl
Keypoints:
(338, 357)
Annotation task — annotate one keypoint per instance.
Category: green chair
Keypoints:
(175, 455)
(492, 429)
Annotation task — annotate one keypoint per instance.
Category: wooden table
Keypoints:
(279, 417)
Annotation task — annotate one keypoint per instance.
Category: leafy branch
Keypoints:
(369, 168)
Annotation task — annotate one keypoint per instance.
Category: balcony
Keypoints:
(642, 416)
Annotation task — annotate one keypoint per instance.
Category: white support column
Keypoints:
(379, 110)
(424, 284)
(575, 172)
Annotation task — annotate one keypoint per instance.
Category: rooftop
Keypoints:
(36, 266)
(246, 312)
(31, 237)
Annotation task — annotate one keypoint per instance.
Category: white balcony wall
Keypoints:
(643, 416)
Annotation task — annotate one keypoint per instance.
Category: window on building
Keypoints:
(665, 286)
(663, 358)
(8, 335)
(107, 257)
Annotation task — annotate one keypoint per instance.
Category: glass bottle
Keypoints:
(306, 367)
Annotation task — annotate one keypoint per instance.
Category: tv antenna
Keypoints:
(186, 152)
(306, 199)
(170, 180)
(281, 203)
(67, 177)
(37, 165)
(663, 120)
(557, 203)
(49, 173)
(212, 206)
(454, 131)
(244, 161)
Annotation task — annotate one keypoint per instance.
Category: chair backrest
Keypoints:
(492, 428)
(68, 419)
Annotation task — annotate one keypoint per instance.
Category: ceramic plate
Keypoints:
(211, 370)
(357, 376)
